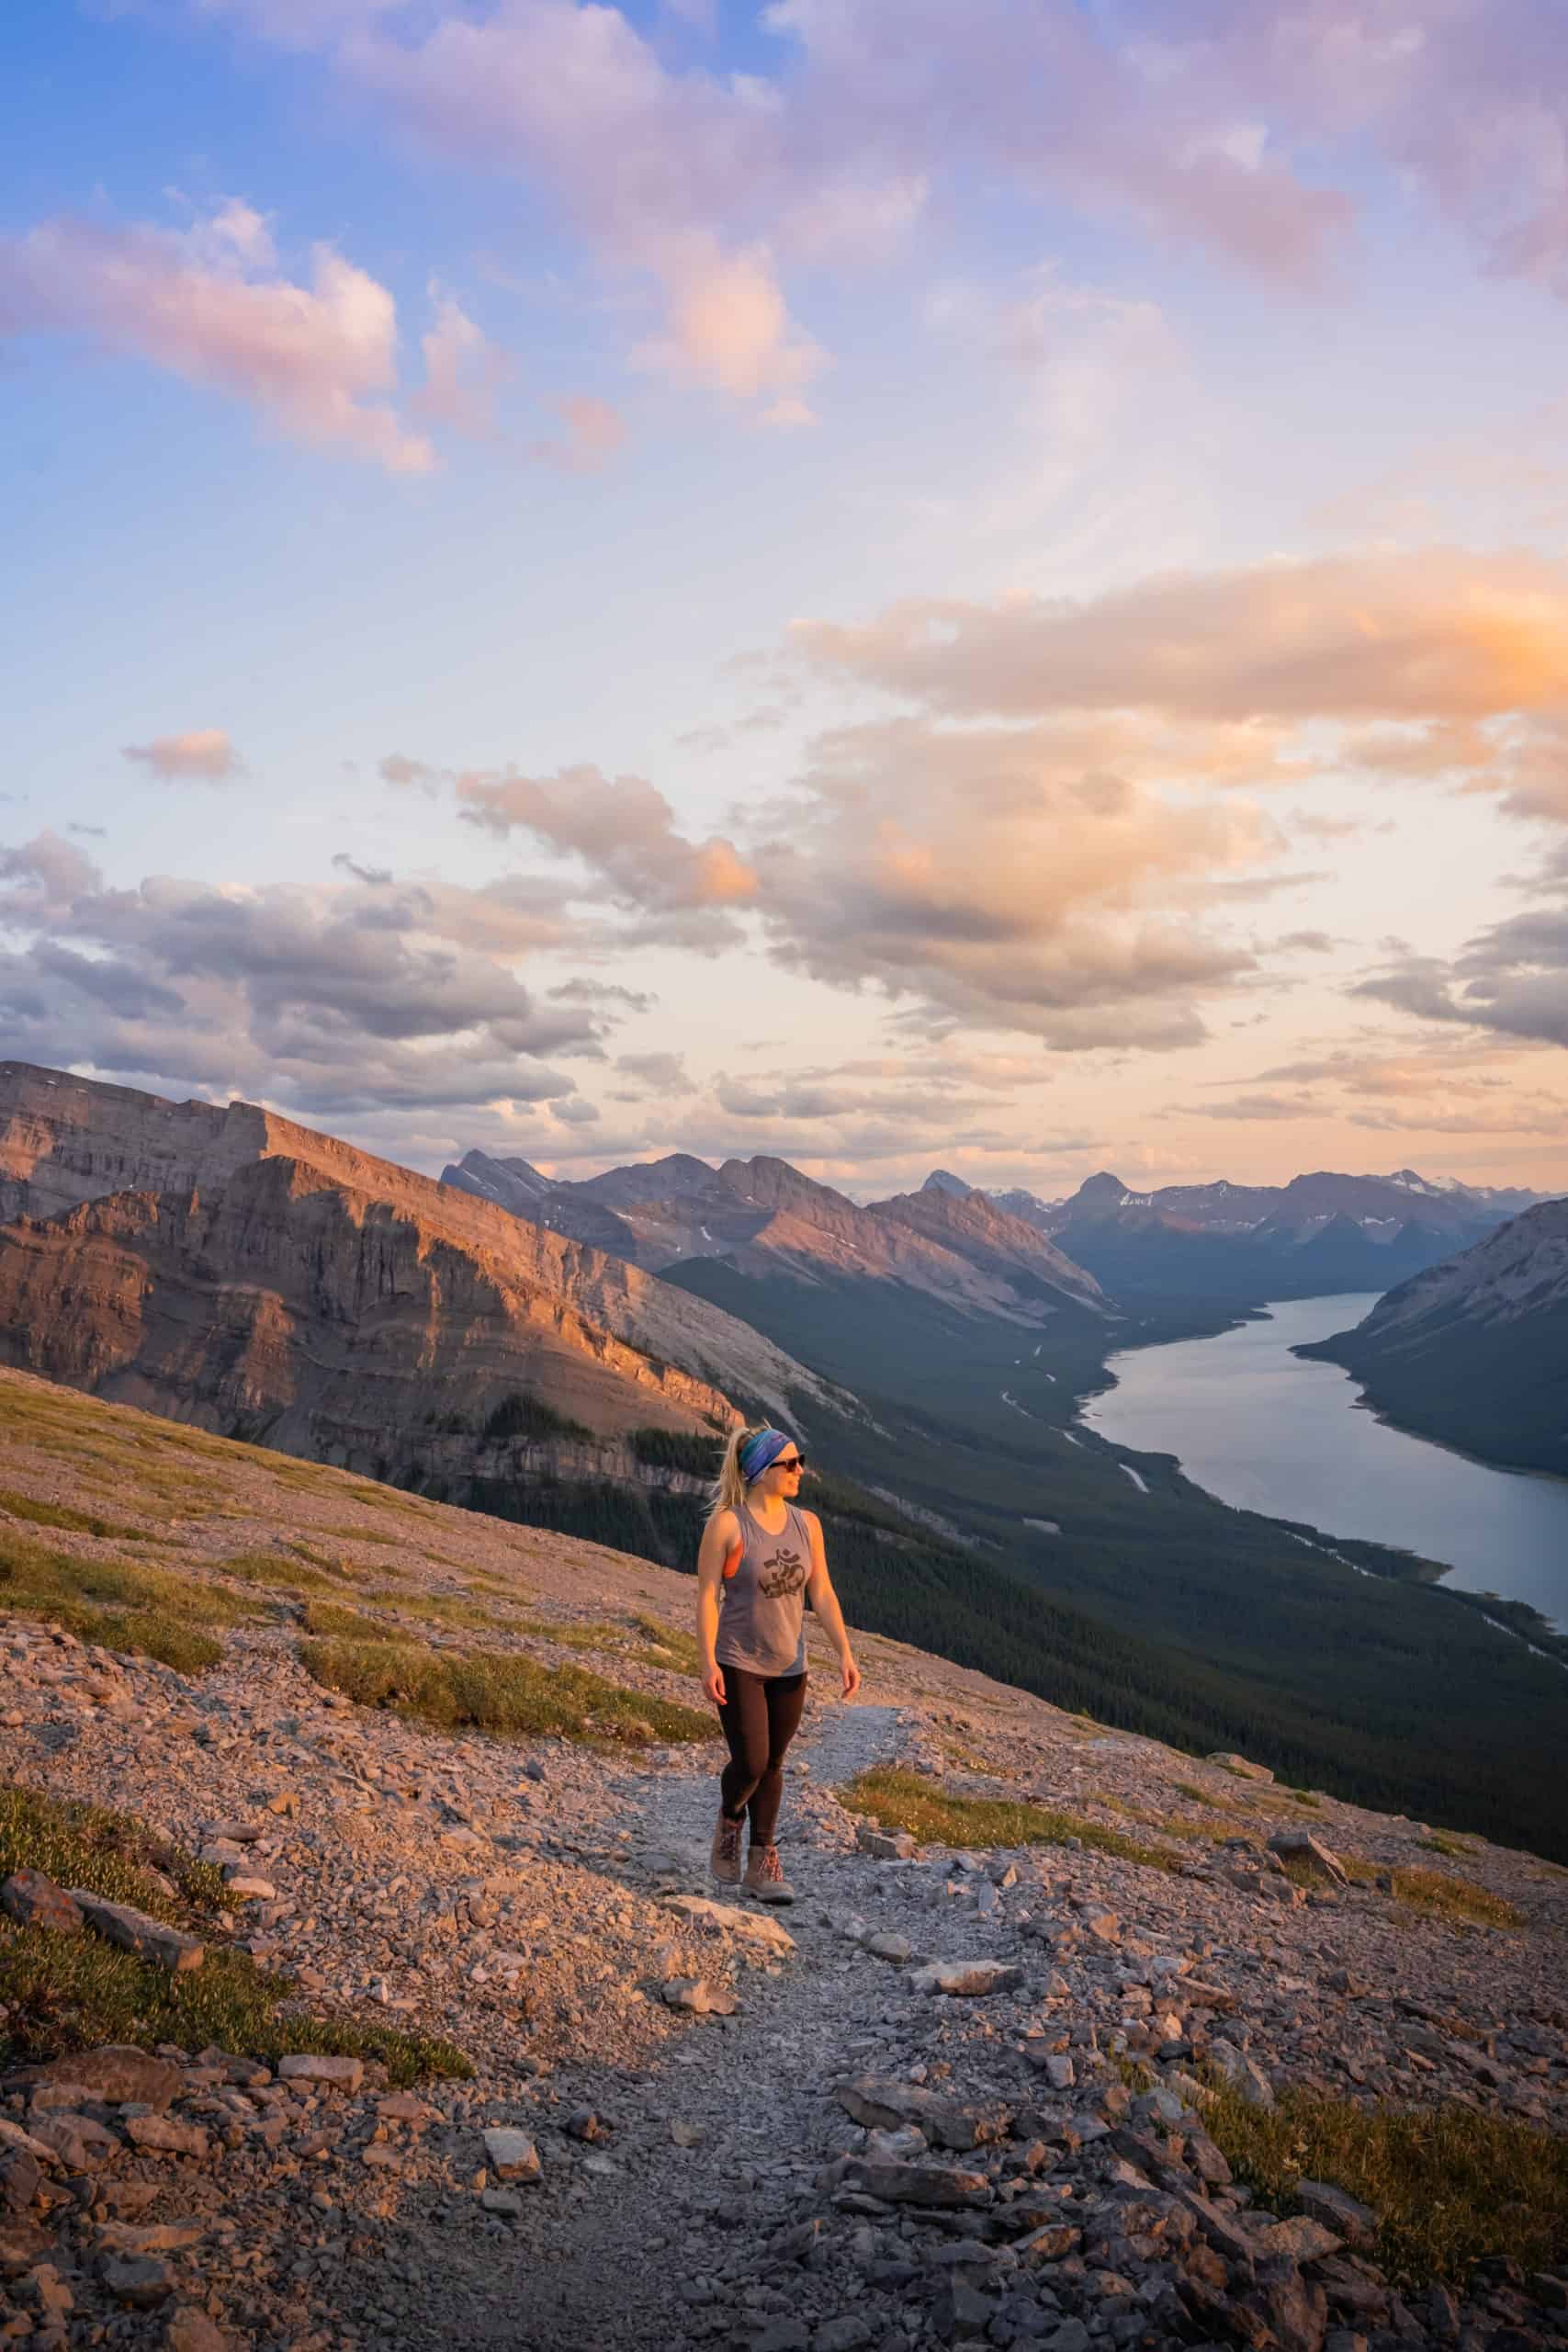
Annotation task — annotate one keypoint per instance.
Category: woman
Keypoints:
(761, 1557)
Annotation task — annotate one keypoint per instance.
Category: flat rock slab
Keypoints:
(882, 2103)
(1336, 2211)
(120, 1923)
(917, 2184)
(118, 2074)
(1242, 1764)
(1300, 1846)
(512, 2155)
(752, 1927)
(702, 1999)
(968, 1979)
(166, 2136)
(33, 1900)
(1300, 2239)
(317, 2066)
(885, 1844)
(139, 2281)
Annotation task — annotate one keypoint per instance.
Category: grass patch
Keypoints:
(1195, 1795)
(121, 1604)
(1440, 1841)
(112, 1854)
(1451, 2187)
(1308, 1797)
(358, 1535)
(439, 1608)
(332, 1621)
(904, 1801)
(277, 1569)
(681, 1647)
(512, 1697)
(1439, 1894)
(63, 1992)
(76, 1522)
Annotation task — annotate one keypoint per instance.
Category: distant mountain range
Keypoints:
(765, 1221)
(1318, 1234)
(1475, 1350)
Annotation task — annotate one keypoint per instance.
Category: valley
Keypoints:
(239, 1273)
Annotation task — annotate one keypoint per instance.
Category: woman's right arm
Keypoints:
(719, 1538)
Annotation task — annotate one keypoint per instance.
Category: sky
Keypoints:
(889, 582)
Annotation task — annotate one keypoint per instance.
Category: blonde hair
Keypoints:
(728, 1489)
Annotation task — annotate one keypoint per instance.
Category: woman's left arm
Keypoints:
(825, 1602)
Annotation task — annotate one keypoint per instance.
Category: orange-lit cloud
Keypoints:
(202, 754)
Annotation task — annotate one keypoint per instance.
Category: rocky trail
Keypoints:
(960, 2092)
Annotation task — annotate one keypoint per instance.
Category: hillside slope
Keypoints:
(1475, 1350)
(693, 2089)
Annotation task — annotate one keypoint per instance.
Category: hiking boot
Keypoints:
(765, 1878)
(723, 1861)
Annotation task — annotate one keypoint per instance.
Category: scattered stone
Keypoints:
(190, 2330)
(35, 1901)
(512, 2155)
(883, 2104)
(1351, 2221)
(317, 2066)
(702, 1999)
(1241, 1764)
(122, 1924)
(918, 2184)
(117, 2073)
(968, 1979)
(139, 2281)
(1300, 1846)
(166, 2136)
(885, 1844)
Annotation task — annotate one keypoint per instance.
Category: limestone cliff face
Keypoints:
(231, 1267)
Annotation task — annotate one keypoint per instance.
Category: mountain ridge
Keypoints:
(1474, 1349)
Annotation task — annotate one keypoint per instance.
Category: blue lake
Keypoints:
(1258, 1427)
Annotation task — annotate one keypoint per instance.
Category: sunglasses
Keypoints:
(796, 1462)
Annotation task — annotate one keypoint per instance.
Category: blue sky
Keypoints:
(887, 583)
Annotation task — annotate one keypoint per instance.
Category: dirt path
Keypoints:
(631, 2253)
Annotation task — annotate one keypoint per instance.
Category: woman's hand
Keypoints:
(713, 1682)
(851, 1675)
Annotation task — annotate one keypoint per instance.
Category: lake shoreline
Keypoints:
(1220, 1411)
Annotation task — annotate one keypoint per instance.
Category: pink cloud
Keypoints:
(463, 372)
(202, 754)
(317, 360)
(594, 431)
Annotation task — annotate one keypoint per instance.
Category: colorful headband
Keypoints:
(760, 1450)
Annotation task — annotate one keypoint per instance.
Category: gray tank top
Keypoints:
(761, 1623)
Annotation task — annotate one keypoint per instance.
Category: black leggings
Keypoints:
(760, 1716)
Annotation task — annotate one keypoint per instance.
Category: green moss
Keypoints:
(111, 1853)
(1442, 1895)
(122, 1604)
(512, 1697)
(666, 1645)
(906, 1801)
(78, 1522)
(62, 1993)
(1451, 2187)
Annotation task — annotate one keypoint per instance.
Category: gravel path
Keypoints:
(622, 2264)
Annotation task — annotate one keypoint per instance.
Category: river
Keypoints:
(1261, 1427)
